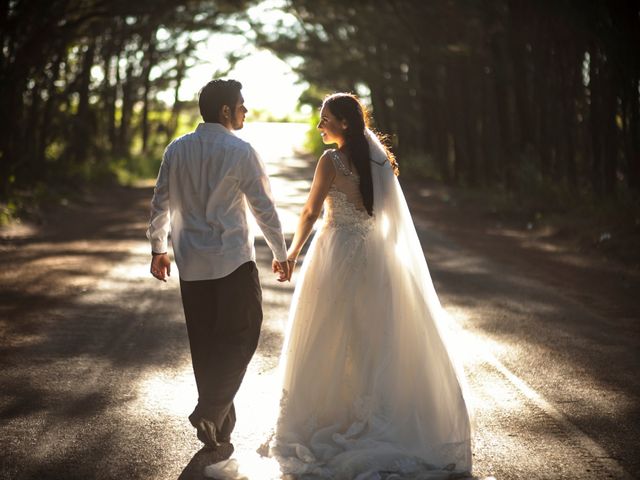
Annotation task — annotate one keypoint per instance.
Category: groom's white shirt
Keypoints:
(205, 182)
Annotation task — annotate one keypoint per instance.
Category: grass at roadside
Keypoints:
(592, 226)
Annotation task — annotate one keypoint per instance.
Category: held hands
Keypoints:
(161, 266)
(283, 269)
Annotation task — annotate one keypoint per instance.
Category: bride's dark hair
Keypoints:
(347, 107)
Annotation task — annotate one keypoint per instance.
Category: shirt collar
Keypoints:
(212, 128)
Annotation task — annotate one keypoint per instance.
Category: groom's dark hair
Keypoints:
(214, 95)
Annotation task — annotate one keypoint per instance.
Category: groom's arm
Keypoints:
(159, 223)
(254, 183)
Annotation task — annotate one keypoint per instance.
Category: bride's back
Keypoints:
(344, 200)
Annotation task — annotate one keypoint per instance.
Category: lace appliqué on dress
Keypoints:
(341, 211)
(339, 164)
(342, 214)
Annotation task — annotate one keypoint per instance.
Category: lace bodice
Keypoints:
(344, 208)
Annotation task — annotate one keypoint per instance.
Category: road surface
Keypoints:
(96, 379)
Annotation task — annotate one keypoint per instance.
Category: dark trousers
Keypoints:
(223, 317)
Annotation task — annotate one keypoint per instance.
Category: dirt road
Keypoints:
(96, 379)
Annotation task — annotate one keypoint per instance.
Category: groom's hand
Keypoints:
(161, 266)
(282, 269)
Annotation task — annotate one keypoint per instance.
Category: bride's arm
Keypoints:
(322, 180)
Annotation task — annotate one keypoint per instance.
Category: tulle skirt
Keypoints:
(368, 386)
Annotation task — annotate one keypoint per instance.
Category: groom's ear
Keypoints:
(225, 113)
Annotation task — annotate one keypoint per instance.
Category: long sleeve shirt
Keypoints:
(206, 181)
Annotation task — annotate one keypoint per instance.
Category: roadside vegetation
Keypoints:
(528, 106)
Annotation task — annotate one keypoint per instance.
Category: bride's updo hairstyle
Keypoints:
(347, 107)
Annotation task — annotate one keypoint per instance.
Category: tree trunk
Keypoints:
(595, 115)
(177, 105)
(633, 149)
(505, 150)
(83, 127)
(487, 130)
(518, 55)
(609, 131)
(440, 118)
(470, 117)
(49, 107)
(112, 99)
(146, 76)
(571, 90)
(4, 33)
(127, 111)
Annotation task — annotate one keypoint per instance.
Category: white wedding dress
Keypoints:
(369, 388)
(369, 391)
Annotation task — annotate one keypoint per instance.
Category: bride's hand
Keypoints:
(291, 263)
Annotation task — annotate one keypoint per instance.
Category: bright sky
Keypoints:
(268, 83)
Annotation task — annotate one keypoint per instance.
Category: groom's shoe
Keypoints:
(218, 448)
(204, 457)
(222, 452)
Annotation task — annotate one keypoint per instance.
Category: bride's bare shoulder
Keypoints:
(328, 156)
(326, 164)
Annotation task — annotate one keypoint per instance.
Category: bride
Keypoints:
(368, 387)
(369, 391)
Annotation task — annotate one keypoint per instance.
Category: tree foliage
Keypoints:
(496, 93)
(78, 78)
(501, 93)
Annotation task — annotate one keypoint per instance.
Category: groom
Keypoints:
(206, 178)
